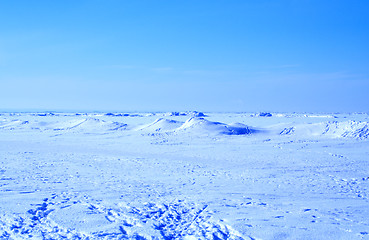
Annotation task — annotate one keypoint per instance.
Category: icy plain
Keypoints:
(184, 176)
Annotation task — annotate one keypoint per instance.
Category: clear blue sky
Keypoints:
(210, 55)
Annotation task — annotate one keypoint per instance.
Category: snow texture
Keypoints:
(184, 175)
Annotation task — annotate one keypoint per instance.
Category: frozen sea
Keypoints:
(184, 175)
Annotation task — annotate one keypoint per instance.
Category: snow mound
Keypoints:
(51, 125)
(14, 124)
(201, 125)
(160, 124)
(93, 124)
(332, 129)
(88, 124)
(195, 125)
(352, 129)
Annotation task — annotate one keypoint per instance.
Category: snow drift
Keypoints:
(82, 125)
(160, 124)
(201, 125)
(194, 126)
(91, 123)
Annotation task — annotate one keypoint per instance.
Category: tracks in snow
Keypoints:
(67, 216)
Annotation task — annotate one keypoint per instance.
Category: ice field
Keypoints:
(184, 175)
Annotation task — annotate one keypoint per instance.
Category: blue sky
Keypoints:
(211, 55)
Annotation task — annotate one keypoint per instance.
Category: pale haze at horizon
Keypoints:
(184, 55)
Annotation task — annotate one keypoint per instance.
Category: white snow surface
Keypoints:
(184, 176)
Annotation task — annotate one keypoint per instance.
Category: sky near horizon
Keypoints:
(211, 55)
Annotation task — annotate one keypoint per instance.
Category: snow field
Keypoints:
(179, 176)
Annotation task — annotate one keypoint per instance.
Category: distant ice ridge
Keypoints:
(262, 114)
(170, 114)
(191, 113)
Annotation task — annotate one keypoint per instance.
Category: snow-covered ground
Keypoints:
(184, 176)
